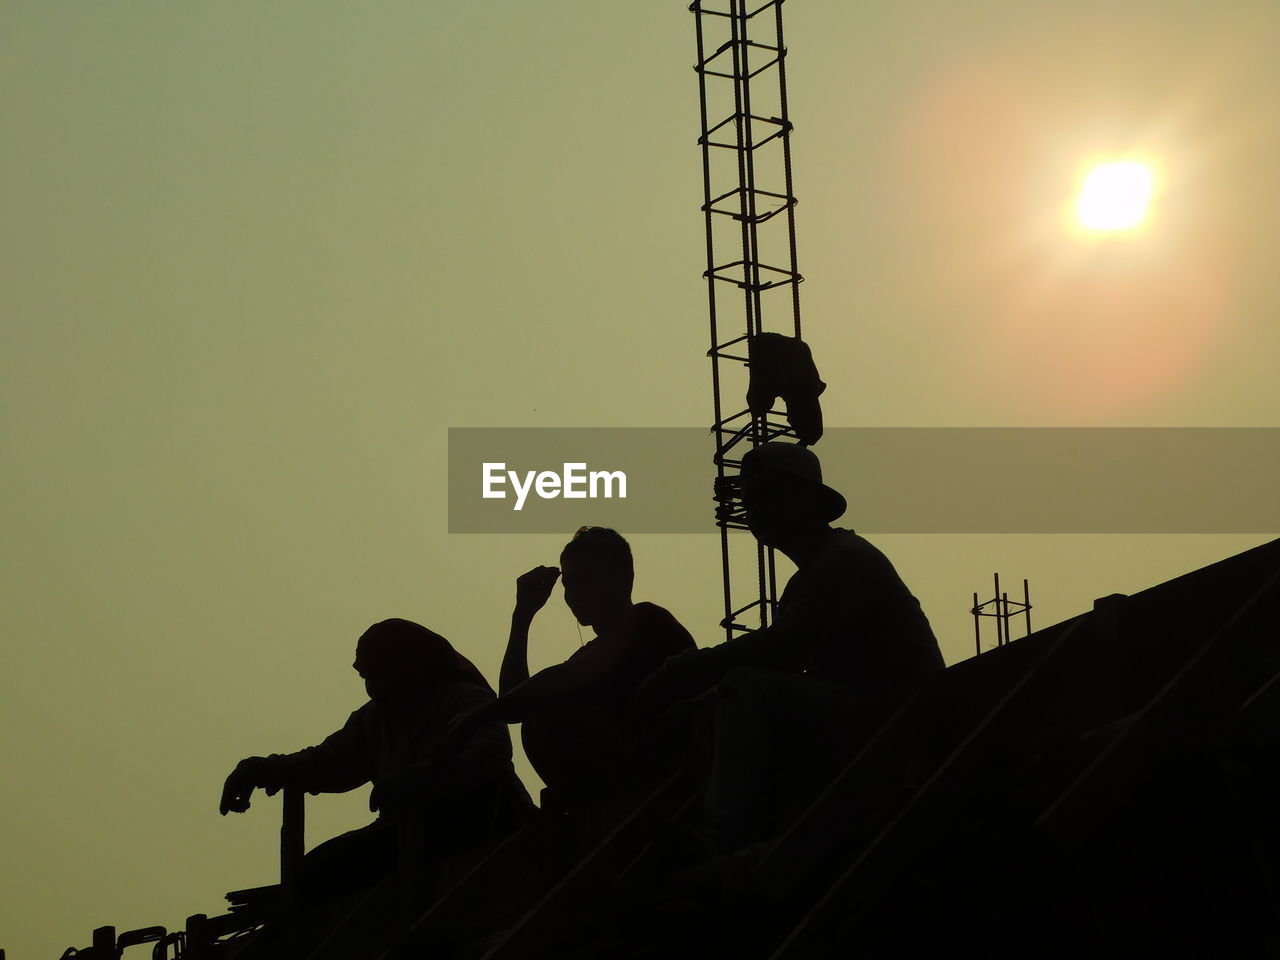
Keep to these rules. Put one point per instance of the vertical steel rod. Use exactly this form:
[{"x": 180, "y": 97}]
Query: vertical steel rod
[{"x": 292, "y": 829}]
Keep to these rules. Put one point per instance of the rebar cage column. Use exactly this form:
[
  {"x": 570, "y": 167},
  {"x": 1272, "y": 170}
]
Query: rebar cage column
[{"x": 749, "y": 214}]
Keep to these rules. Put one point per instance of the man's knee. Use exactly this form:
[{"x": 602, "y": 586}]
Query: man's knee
[{"x": 349, "y": 861}]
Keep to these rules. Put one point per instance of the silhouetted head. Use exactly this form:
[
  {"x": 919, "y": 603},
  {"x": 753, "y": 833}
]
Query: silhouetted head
[
  {"x": 783, "y": 493},
  {"x": 597, "y": 573},
  {"x": 400, "y": 659}
]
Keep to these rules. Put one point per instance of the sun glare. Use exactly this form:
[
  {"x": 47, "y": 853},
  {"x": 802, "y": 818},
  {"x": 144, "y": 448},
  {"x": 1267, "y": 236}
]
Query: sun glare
[{"x": 1115, "y": 196}]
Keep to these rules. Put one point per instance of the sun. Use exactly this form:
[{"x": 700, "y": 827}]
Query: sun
[{"x": 1115, "y": 196}]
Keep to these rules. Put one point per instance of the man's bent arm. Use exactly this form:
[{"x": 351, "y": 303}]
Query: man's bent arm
[
  {"x": 810, "y": 616},
  {"x": 338, "y": 764},
  {"x": 780, "y": 646},
  {"x": 515, "y": 662},
  {"x": 532, "y": 591},
  {"x": 579, "y": 674}
]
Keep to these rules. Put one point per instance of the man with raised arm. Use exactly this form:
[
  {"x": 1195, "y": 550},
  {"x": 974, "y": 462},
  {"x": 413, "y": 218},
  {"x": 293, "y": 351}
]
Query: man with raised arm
[{"x": 574, "y": 714}]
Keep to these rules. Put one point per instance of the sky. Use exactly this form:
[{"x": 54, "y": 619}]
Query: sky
[{"x": 258, "y": 258}]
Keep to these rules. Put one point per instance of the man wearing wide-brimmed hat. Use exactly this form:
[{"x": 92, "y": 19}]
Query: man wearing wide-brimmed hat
[
  {"x": 845, "y": 616},
  {"x": 846, "y": 633}
]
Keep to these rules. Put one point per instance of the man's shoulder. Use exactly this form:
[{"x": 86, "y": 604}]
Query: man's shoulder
[
  {"x": 844, "y": 548},
  {"x": 589, "y": 649},
  {"x": 646, "y": 612},
  {"x": 464, "y": 693},
  {"x": 844, "y": 540},
  {"x": 845, "y": 561},
  {"x": 361, "y": 721},
  {"x": 653, "y": 620}
]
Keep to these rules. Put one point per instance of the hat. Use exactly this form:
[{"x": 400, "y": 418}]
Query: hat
[{"x": 794, "y": 462}]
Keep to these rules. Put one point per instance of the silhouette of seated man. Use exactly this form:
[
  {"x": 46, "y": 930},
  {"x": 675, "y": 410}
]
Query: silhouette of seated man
[
  {"x": 417, "y": 683},
  {"x": 846, "y": 631},
  {"x": 574, "y": 714}
]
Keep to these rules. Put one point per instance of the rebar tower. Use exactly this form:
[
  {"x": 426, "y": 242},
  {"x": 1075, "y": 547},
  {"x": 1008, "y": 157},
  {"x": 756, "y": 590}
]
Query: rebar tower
[{"x": 749, "y": 210}]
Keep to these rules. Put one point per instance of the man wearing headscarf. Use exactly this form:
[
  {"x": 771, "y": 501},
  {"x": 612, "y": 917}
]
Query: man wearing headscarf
[{"x": 417, "y": 683}]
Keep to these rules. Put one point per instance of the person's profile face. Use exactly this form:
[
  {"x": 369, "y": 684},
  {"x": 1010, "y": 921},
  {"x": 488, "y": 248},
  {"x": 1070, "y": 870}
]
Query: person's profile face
[
  {"x": 590, "y": 589},
  {"x": 386, "y": 680},
  {"x": 766, "y": 500}
]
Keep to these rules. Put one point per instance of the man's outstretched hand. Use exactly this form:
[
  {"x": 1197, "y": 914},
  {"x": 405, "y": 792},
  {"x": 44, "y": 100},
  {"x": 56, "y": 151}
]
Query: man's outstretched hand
[{"x": 249, "y": 773}]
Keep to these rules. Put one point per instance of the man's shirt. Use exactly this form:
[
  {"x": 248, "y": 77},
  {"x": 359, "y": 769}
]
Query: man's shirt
[
  {"x": 846, "y": 618},
  {"x": 374, "y": 744},
  {"x": 859, "y": 625},
  {"x": 652, "y": 635}
]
